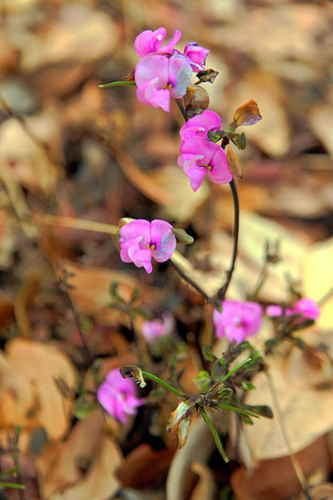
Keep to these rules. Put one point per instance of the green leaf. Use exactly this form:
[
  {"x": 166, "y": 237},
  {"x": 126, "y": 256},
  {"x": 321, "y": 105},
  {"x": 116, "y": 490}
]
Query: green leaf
[{"x": 208, "y": 421}]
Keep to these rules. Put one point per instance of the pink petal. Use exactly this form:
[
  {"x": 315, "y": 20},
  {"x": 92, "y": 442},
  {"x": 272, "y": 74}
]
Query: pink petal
[
  {"x": 149, "y": 41},
  {"x": 163, "y": 238},
  {"x": 220, "y": 172},
  {"x": 139, "y": 228},
  {"x": 150, "y": 68},
  {"x": 195, "y": 173},
  {"x": 207, "y": 120},
  {"x": 158, "y": 98},
  {"x": 308, "y": 308},
  {"x": 169, "y": 47},
  {"x": 274, "y": 311},
  {"x": 197, "y": 55},
  {"x": 180, "y": 74}
]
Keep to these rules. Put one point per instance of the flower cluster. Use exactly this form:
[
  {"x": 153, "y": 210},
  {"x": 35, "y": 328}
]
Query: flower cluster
[
  {"x": 141, "y": 240},
  {"x": 238, "y": 320},
  {"x": 117, "y": 395},
  {"x": 305, "y": 308},
  {"x": 163, "y": 71},
  {"x": 199, "y": 156}
]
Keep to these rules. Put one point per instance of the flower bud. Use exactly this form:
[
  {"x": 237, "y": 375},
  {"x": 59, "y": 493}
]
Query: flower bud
[
  {"x": 208, "y": 75},
  {"x": 196, "y": 100},
  {"x": 247, "y": 114},
  {"x": 234, "y": 162}
]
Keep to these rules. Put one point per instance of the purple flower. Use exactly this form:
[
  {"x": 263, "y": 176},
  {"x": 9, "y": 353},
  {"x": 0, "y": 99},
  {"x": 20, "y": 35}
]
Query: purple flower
[
  {"x": 159, "y": 77},
  {"x": 158, "y": 327},
  {"x": 117, "y": 395},
  {"x": 199, "y": 157},
  {"x": 306, "y": 308},
  {"x": 238, "y": 320},
  {"x": 197, "y": 55},
  {"x": 140, "y": 240},
  {"x": 150, "y": 42}
]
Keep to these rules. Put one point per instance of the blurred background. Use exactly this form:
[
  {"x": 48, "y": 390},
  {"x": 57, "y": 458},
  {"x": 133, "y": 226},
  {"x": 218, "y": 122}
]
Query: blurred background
[{"x": 71, "y": 149}]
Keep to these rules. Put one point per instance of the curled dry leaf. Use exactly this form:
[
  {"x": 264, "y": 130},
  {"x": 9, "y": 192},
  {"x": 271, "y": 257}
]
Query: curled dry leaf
[
  {"x": 206, "y": 487},
  {"x": 197, "y": 448},
  {"x": 31, "y": 377}
]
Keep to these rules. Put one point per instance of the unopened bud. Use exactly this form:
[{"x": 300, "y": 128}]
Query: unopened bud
[
  {"x": 247, "y": 114},
  {"x": 196, "y": 100},
  {"x": 208, "y": 75},
  {"x": 234, "y": 162}
]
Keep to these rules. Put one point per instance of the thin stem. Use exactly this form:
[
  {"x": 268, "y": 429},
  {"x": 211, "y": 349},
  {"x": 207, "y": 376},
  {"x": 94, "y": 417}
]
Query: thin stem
[
  {"x": 72, "y": 222},
  {"x": 181, "y": 108},
  {"x": 261, "y": 280},
  {"x": 295, "y": 463},
  {"x": 163, "y": 383},
  {"x": 235, "y": 369},
  {"x": 119, "y": 83},
  {"x": 182, "y": 272},
  {"x": 223, "y": 290},
  {"x": 215, "y": 434}
]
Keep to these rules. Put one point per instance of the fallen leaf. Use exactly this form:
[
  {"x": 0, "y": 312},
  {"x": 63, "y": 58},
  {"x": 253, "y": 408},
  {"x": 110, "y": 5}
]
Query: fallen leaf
[
  {"x": 82, "y": 467},
  {"x": 24, "y": 157},
  {"x": 29, "y": 393},
  {"x": 276, "y": 479},
  {"x": 144, "y": 467},
  {"x": 290, "y": 378}
]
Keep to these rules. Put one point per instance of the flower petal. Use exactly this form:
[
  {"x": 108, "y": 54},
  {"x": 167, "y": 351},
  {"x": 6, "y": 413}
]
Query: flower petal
[
  {"x": 163, "y": 238},
  {"x": 220, "y": 172}
]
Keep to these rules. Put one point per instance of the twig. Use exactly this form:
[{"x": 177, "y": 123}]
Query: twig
[
  {"x": 72, "y": 222},
  {"x": 223, "y": 290},
  {"x": 183, "y": 266}
]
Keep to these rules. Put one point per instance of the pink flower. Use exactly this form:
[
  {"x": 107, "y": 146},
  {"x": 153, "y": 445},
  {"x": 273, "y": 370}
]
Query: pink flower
[
  {"x": 238, "y": 320},
  {"x": 141, "y": 240},
  {"x": 117, "y": 395},
  {"x": 159, "y": 77},
  {"x": 199, "y": 156},
  {"x": 158, "y": 327},
  {"x": 197, "y": 55},
  {"x": 150, "y": 42},
  {"x": 306, "y": 308}
]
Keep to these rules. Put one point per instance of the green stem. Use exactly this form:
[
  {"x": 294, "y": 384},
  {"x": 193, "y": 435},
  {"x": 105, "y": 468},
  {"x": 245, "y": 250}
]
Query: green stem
[
  {"x": 235, "y": 369},
  {"x": 163, "y": 383},
  {"x": 215, "y": 434},
  {"x": 119, "y": 83},
  {"x": 247, "y": 413}
]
